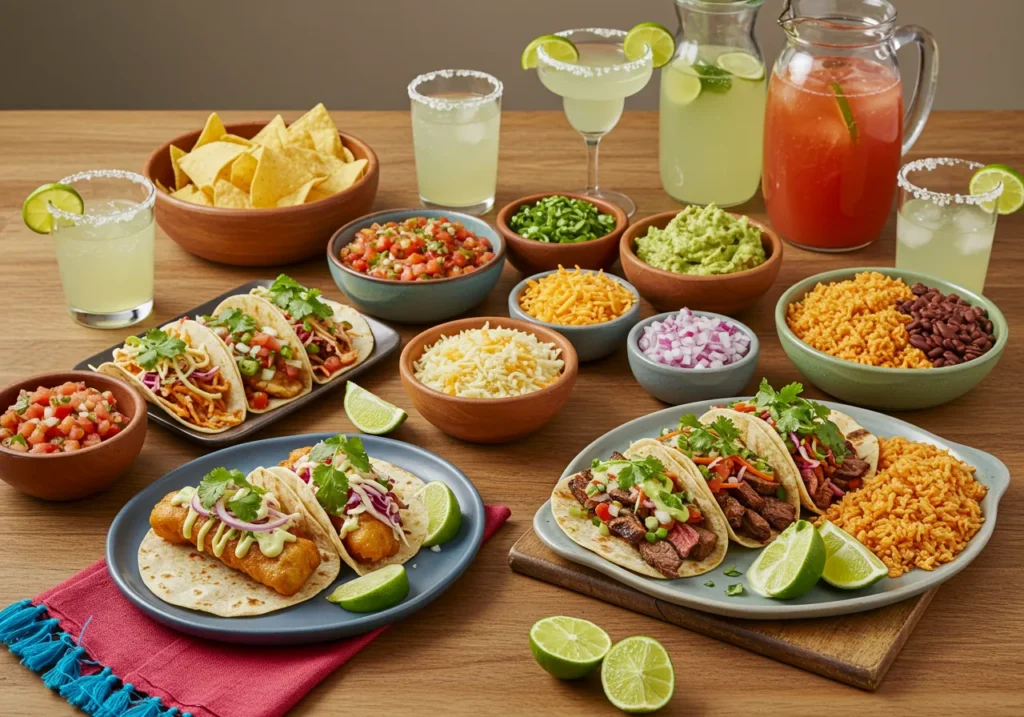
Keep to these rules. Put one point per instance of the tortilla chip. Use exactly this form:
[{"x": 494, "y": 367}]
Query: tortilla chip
[
  {"x": 321, "y": 128},
  {"x": 226, "y": 194},
  {"x": 212, "y": 132},
  {"x": 274, "y": 129},
  {"x": 189, "y": 193},
  {"x": 206, "y": 164},
  {"x": 244, "y": 167},
  {"x": 278, "y": 174},
  {"x": 346, "y": 153},
  {"x": 160, "y": 186},
  {"x": 236, "y": 139},
  {"x": 301, "y": 140},
  {"x": 180, "y": 178},
  {"x": 343, "y": 178},
  {"x": 299, "y": 195}
]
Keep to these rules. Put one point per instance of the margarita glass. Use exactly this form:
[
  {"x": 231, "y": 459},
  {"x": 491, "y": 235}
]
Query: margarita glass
[{"x": 593, "y": 92}]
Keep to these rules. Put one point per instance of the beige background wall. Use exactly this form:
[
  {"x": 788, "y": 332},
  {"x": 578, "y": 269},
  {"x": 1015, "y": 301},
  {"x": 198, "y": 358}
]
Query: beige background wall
[{"x": 361, "y": 54}]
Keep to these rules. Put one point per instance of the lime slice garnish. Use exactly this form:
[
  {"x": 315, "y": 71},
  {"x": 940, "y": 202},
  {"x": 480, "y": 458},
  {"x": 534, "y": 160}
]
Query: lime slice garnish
[
  {"x": 682, "y": 85},
  {"x": 35, "y": 214},
  {"x": 849, "y": 564},
  {"x": 742, "y": 65},
  {"x": 557, "y": 48},
  {"x": 374, "y": 591},
  {"x": 845, "y": 110},
  {"x": 568, "y": 647},
  {"x": 986, "y": 179},
  {"x": 654, "y": 36},
  {"x": 637, "y": 675},
  {"x": 791, "y": 565},
  {"x": 444, "y": 517},
  {"x": 371, "y": 414}
]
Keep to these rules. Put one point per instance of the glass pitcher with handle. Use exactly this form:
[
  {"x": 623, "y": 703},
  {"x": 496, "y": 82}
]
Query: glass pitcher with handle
[{"x": 834, "y": 128}]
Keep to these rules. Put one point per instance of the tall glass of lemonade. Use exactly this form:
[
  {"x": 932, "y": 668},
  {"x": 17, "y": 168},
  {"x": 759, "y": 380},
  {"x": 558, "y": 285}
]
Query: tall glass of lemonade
[{"x": 712, "y": 104}]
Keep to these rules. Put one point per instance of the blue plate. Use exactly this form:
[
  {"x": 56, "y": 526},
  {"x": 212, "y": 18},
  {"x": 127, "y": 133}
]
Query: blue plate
[
  {"x": 823, "y": 599},
  {"x": 315, "y": 620}
]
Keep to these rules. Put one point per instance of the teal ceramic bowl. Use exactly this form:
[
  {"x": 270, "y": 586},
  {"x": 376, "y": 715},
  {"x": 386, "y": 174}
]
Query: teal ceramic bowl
[
  {"x": 415, "y": 302},
  {"x": 895, "y": 389},
  {"x": 591, "y": 342}
]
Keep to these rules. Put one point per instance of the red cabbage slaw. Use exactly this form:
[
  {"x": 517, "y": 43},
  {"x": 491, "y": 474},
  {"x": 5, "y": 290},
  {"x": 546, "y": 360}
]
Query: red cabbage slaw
[{"x": 685, "y": 340}]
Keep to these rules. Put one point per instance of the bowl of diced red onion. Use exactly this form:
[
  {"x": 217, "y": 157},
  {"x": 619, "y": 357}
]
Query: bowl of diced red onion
[{"x": 682, "y": 356}]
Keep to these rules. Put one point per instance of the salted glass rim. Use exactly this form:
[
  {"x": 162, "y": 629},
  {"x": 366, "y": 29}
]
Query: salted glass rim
[
  {"x": 543, "y": 58},
  {"x": 929, "y": 164},
  {"x": 447, "y": 104},
  {"x": 123, "y": 215}
]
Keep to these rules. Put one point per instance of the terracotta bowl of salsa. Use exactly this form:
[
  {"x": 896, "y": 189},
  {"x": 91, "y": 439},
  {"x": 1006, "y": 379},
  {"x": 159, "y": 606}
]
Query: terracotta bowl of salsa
[
  {"x": 84, "y": 454},
  {"x": 416, "y": 266}
]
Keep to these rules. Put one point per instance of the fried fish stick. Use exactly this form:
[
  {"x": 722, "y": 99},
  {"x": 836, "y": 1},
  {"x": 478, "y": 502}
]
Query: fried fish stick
[{"x": 286, "y": 573}]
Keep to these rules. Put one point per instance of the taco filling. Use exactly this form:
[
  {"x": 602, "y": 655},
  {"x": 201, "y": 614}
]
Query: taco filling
[
  {"x": 744, "y": 484},
  {"x": 269, "y": 364}
]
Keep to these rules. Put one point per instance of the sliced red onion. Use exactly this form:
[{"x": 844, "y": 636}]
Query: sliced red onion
[
  {"x": 739, "y": 476},
  {"x": 203, "y": 375},
  {"x": 613, "y": 510},
  {"x": 684, "y": 340},
  {"x": 649, "y": 504},
  {"x": 600, "y": 498},
  {"x": 732, "y": 479},
  {"x": 197, "y": 506},
  {"x": 233, "y": 522},
  {"x": 714, "y": 463},
  {"x": 836, "y": 489},
  {"x": 793, "y": 437}
]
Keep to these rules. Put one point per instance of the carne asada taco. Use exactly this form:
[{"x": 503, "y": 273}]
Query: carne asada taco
[
  {"x": 366, "y": 504},
  {"x": 742, "y": 471},
  {"x": 185, "y": 369},
  {"x": 829, "y": 453},
  {"x": 236, "y": 545},
  {"x": 336, "y": 337},
  {"x": 636, "y": 511},
  {"x": 270, "y": 358}
]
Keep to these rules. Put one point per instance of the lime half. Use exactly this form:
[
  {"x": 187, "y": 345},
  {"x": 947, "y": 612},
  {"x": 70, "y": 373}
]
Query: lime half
[
  {"x": 637, "y": 675},
  {"x": 557, "y": 48},
  {"x": 791, "y": 565},
  {"x": 849, "y": 564},
  {"x": 654, "y": 36},
  {"x": 371, "y": 414},
  {"x": 742, "y": 65},
  {"x": 373, "y": 592},
  {"x": 568, "y": 647},
  {"x": 986, "y": 179},
  {"x": 37, "y": 217},
  {"x": 444, "y": 515},
  {"x": 682, "y": 85}
]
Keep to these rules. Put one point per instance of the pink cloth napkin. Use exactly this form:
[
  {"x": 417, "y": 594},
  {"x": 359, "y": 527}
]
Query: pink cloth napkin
[{"x": 195, "y": 675}]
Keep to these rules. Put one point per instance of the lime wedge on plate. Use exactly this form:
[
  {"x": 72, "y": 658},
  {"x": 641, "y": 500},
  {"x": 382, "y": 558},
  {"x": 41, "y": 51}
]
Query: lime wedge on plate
[
  {"x": 374, "y": 591},
  {"x": 37, "y": 217},
  {"x": 742, "y": 65},
  {"x": 849, "y": 564},
  {"x": 682, "y": 85},
  {"x": 652, "y": 35},
  {"x": 567, "y": 647},
  {"x": 987, "y": 178},
  {"x": 791, "y": 565},
  {"x": 444, "y": 515},
  {"x": 637, "y": 675},
  {"x": 371, "y": 414},
  {"x": 557, "y": 48}
]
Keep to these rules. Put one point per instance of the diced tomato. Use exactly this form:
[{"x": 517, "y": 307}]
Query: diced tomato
[
  {"x": 37, "y": 436},
  {"x": 114, "y": 430},
  {"x": 855, "y": 483},
  {"x": 44, "y": 448},
  {"x": 67, "y": 424},
  {"x": 484, "y": 258},
  {"x": 407, "y": 274},
  {"x": 455, "y": 271},
  {"x": 54, "y": 432},
  {"x": 416, "y": 258},
  {"x": 9, "y": 420},
  {"x": 695, "y": 516},
  {"x": 35, "y": 411},
  {"x": 722, "y": 469},
  {"x": 433, "y": 267},
  {"x": 89, "y": 404},
  {"x": 418, "y": 269},
  {"x": 91, "y": 440},
  {"x": 75, "y": 404},
  {"x": 86, "y": 425},
  {"x": 443, "y": 236},
  {"x": 69, "y": 387},
  {"x": 461, "y": 234},
  {"x": 469, "y": 242},
  {"x": 70, "y": 445},
  {"x": 360, "y": 265},
  {"x": 103, "y": 428},
  {"x": 108, "y": 397},
  {"x": 603, "y": 512},
  {"x": 62, "y": 411},
  {"x": 25, "y": 429},
  {"x": 715, "y": 485},
  {"x": 468, "y": 269},
  {"x": 263, "y": 352},
  {"x": 101, "y": 412},
  {"x": 259, "y": 400},
  {"x": 41, "y": 396},
  {"x": 384, "y": 243},
  {"x": 76, "y": 433},
  {"x": 260, "y": 339},
  {"x": 291, "y": 371},
  {"x": 332, "y": 364}
]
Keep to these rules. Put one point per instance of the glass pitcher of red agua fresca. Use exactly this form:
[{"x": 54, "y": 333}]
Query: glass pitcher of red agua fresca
[{"x": 834, "y": 124}]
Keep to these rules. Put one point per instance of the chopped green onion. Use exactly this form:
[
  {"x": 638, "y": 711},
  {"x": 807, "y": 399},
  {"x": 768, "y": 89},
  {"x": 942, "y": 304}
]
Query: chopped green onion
[
  {"x": 651, "y": 537},
  {"x": 133, "y": 341},
  {"x": 603, "y": 530},
  {"x": 561, "y": 220},
  {"x": 709, "y": 584},
  {"x": 780, "y": 493},
  {"x": 651, "y": 522},
  {"x": 596, "y": 521},
  {"x": 286, "y": 351},
  {"x": 312, "y": 349},
  {"x": 736, "y": 589},
  {"x": 249, "y": 366},
  {"x": 246, "y": 338},
  {"x": 661, "y": 533}
]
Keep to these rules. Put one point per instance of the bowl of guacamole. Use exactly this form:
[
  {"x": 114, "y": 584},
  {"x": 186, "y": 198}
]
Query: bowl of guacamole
[{"x": 703, "y": 241}]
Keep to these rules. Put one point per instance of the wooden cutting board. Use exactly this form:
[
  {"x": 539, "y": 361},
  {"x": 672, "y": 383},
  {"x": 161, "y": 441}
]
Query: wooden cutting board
[{"x": 856, "y": 649}]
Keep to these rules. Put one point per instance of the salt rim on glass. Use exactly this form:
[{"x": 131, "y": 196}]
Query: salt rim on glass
[
  {"x": 943, "y": 199},
  {"x": 446, "y": 104},
  {"x": 98, "y": 220},
  {"x": 544, "y": 58}
]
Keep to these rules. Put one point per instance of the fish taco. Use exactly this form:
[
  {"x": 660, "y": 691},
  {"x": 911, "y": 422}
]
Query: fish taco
[{"x": 641, "y": 512}]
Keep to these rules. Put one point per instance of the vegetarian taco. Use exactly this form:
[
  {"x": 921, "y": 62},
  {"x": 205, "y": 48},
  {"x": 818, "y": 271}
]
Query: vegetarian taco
[
  {"x": 336, "y": 337},
  {"x": 236, "y": 545},
  {"x": 742, "y": 471},
  {"x": 271, "y": 361},
  {"x": 829, "y": 453},
  {"x": 640, "y": 511},
  {"x": 186, "y": 370},
  {"x": 366, "y": 504}
]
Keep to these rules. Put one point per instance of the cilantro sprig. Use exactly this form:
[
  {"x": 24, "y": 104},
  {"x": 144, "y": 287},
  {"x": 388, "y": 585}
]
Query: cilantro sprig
[
  {"x": 215, "y": 484},
  {"x": 157, "y": 344},
  {"x": 793, "y": 414},
  {"x": 721, "y": 436},
  {"x": 332, "y": 483},
  {"x": 235, "y": 321},
  {"x": 332, "y": 488},
  {"x": 351, "y": 446},
  {"x": 299, "y": 301},
  {"x": 632, "y": 472}
]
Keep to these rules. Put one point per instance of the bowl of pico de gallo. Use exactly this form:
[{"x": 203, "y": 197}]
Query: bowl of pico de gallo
[{"x": 416, "y": 266}]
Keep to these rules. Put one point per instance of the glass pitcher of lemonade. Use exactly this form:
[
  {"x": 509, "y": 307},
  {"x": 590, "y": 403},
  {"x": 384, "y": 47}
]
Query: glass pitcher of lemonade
[
  {"x": 712, "y": 104},
  {"x": 835, "y": 128}
]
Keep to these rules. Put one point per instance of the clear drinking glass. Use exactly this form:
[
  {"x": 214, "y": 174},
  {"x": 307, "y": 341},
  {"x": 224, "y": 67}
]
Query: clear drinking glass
[
  {"x": 593, "y": 91},
  {"x": 941, "y": 228},
  {"x": 105, "y": 255},
  {"x": 456, "y": 117}
]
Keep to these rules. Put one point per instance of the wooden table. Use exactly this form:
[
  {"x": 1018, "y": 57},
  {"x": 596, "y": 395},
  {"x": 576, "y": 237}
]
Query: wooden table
[{"x": 468, "y": 653}]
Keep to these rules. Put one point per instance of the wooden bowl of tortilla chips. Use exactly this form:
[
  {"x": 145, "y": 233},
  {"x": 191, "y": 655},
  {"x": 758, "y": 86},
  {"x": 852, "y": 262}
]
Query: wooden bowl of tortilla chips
[{"x": 262, "y": 194}]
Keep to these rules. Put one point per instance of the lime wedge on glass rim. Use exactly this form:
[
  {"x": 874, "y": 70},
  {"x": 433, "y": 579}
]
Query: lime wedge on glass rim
[
  {"x": 791, "y": 565},
  {"x": 637, "y": 675},
  {"x": 742, "y": 65},
  {"x": 374, "y": 591},
  {"x": 849, "y": 565},
  {"x": 371, "y": 414},
  {"x": 567, "y": 647},
  {"x": 652, "y": 35},
  {"x": 557, "y": 48},
  {"x": 444, "y": 516},
  {"x": 35, "y": 213},
  {"x": 986, "y": 179}
]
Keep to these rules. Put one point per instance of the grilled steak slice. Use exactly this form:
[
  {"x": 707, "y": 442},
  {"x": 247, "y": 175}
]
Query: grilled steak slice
[
  {"x": 706, "y": 543},
  {"x": 628, "y": 527},
  {"x": 662, "y": 557},
  {"x": 756, "y": 527},
  {"x": 840, "y": 481},
  {"x": 616, "y": 456},
  {"x": 762, "y": 486},
  {"x": 622, "y": 496},
  {"x": 732, "y": 509},
  {"x": 778, "y": 514},
  {"x": 578, "y": 486},
  {"x": 748, "y": 496},
  {"x": 683, "y": 538},
  {"x": 823, "y": 496},
  {"x": 852, "y": 468},
  {"x": 811, "y": 482}
]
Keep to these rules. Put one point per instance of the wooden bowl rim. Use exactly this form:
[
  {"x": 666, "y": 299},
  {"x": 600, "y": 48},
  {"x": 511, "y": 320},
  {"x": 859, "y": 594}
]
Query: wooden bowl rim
[
  {"x": 372, "y": 167},
  {"x": 627, "y": 250},
  {"x": 52, "y": 378},
  {"x": 606, "y": 207},
  {"x": 452, "y": 328},
  {"x": 513, "y": 298}
]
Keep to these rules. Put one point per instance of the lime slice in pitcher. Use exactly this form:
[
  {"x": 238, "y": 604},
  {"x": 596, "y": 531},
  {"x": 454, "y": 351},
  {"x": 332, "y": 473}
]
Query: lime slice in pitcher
[
  {"x": 742, "y": 65},
  {"x": 845, "y": 110},
  {"x": 35, "y": 213},
  {"x": 987, "y": 178},
  {"x": 654, "y": 36}
]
